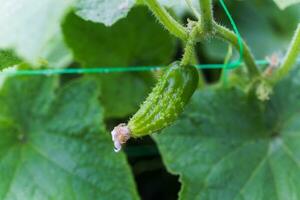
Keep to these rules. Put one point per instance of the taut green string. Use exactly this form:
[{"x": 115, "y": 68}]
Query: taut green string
[
  {"x": 103, "y": 70},
  {"x": 236, "y": 31}
]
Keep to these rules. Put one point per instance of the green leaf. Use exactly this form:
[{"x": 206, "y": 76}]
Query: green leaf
[
  {"x": 122, "y": 93},
  {"x": 28, "y": 25},
  {"x": 282, "y": 4},
  {"x": 54, "y": 145},
  {"x": 229, "y": 145},
  {"x": 135, "y": 40},
  {"x": 125, "y": 43},
  {"x": 104, "y": 11},
  {"x": 8, "y": 58}
]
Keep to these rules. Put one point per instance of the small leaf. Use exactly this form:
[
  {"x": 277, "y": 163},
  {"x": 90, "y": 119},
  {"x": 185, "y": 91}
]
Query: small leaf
[
  {"x": 104, "y": 11},
  {"x": 229, "y": 145},
  {"x": 54, "y": 145}
]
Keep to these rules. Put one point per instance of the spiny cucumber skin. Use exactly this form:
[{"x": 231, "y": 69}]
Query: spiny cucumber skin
[{"x": 166, "y": 101}]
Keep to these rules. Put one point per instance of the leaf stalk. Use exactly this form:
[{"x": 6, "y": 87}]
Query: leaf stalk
[
  {"x": 167, "y": 20},
  {"x": 229, "y": 36},
  {"x": 206, "y": 19},
  {"x": 291, "y": 56}
]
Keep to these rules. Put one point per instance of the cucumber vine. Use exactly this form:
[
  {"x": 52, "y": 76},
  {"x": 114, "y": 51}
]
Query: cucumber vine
[
  {"x": 291, "y": 56},
  {"x": 206, "y": 19},
  {"x": 167, "y": 20},
  {"x": 180, "y": 80}
]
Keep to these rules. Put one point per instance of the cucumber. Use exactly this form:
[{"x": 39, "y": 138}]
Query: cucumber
[{"x": 163, "y": 105}]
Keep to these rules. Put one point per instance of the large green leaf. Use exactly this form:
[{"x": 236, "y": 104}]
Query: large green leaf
[
  {"x": 54, "y": 145},
  {"x": 28, "y": 25},
  {"x": 104, "y": 11},
  {"x": 122, "y": 93},
  {"x": 229, "y": 145},
  {"x": 135, "y": 40},
  {"x": 282, "y": 4}
]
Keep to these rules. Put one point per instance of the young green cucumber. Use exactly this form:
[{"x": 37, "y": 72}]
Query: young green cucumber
[{"x": 162, "y": 106}]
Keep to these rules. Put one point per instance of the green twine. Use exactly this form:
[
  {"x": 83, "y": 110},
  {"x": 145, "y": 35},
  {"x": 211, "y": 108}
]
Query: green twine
[
  {"x": 104, "y": 70},
  {"x": 236, "y": 31},
  {"x": 97, "y": 70}
]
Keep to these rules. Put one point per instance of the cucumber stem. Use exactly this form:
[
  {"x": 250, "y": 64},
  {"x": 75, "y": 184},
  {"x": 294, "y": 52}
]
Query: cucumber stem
[
  {"x": 189, "y": 47},
  {"x": 226, "y": 61},
  {"x": 194, "y": 61},
  {"x": 167, "y": 20},
  {"x": 206, "y": 19}
]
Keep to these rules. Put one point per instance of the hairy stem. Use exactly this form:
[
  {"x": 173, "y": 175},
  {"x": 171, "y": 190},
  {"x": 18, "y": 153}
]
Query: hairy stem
[
  {"x": 291, "y": 56},
  {"x": 206, "y": 19},
  {"x": 189, "y": 47},
  {"x": 226, "y": 61},
  {"x": 230, "y": 37},
  {"x": 167, "y": 20},
  {"x": 194, "y": 61}
]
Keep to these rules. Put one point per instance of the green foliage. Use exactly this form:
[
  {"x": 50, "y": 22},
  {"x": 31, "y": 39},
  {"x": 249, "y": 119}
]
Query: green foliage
[
  {"x": 32, "y": 28},
  {"x": 126, "y": 43},
  {"x": 235, "y": 146},
  {"x": 104, "y": 11},
  {"x": 28, "y": 25},
  {"x": 54, "y": 144},
  {"x": 122, "y": 101},
  {"x": 267, "y": 25},
  {"x": 136, "y": 40},
  {"x": 236, "y": 140}
]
